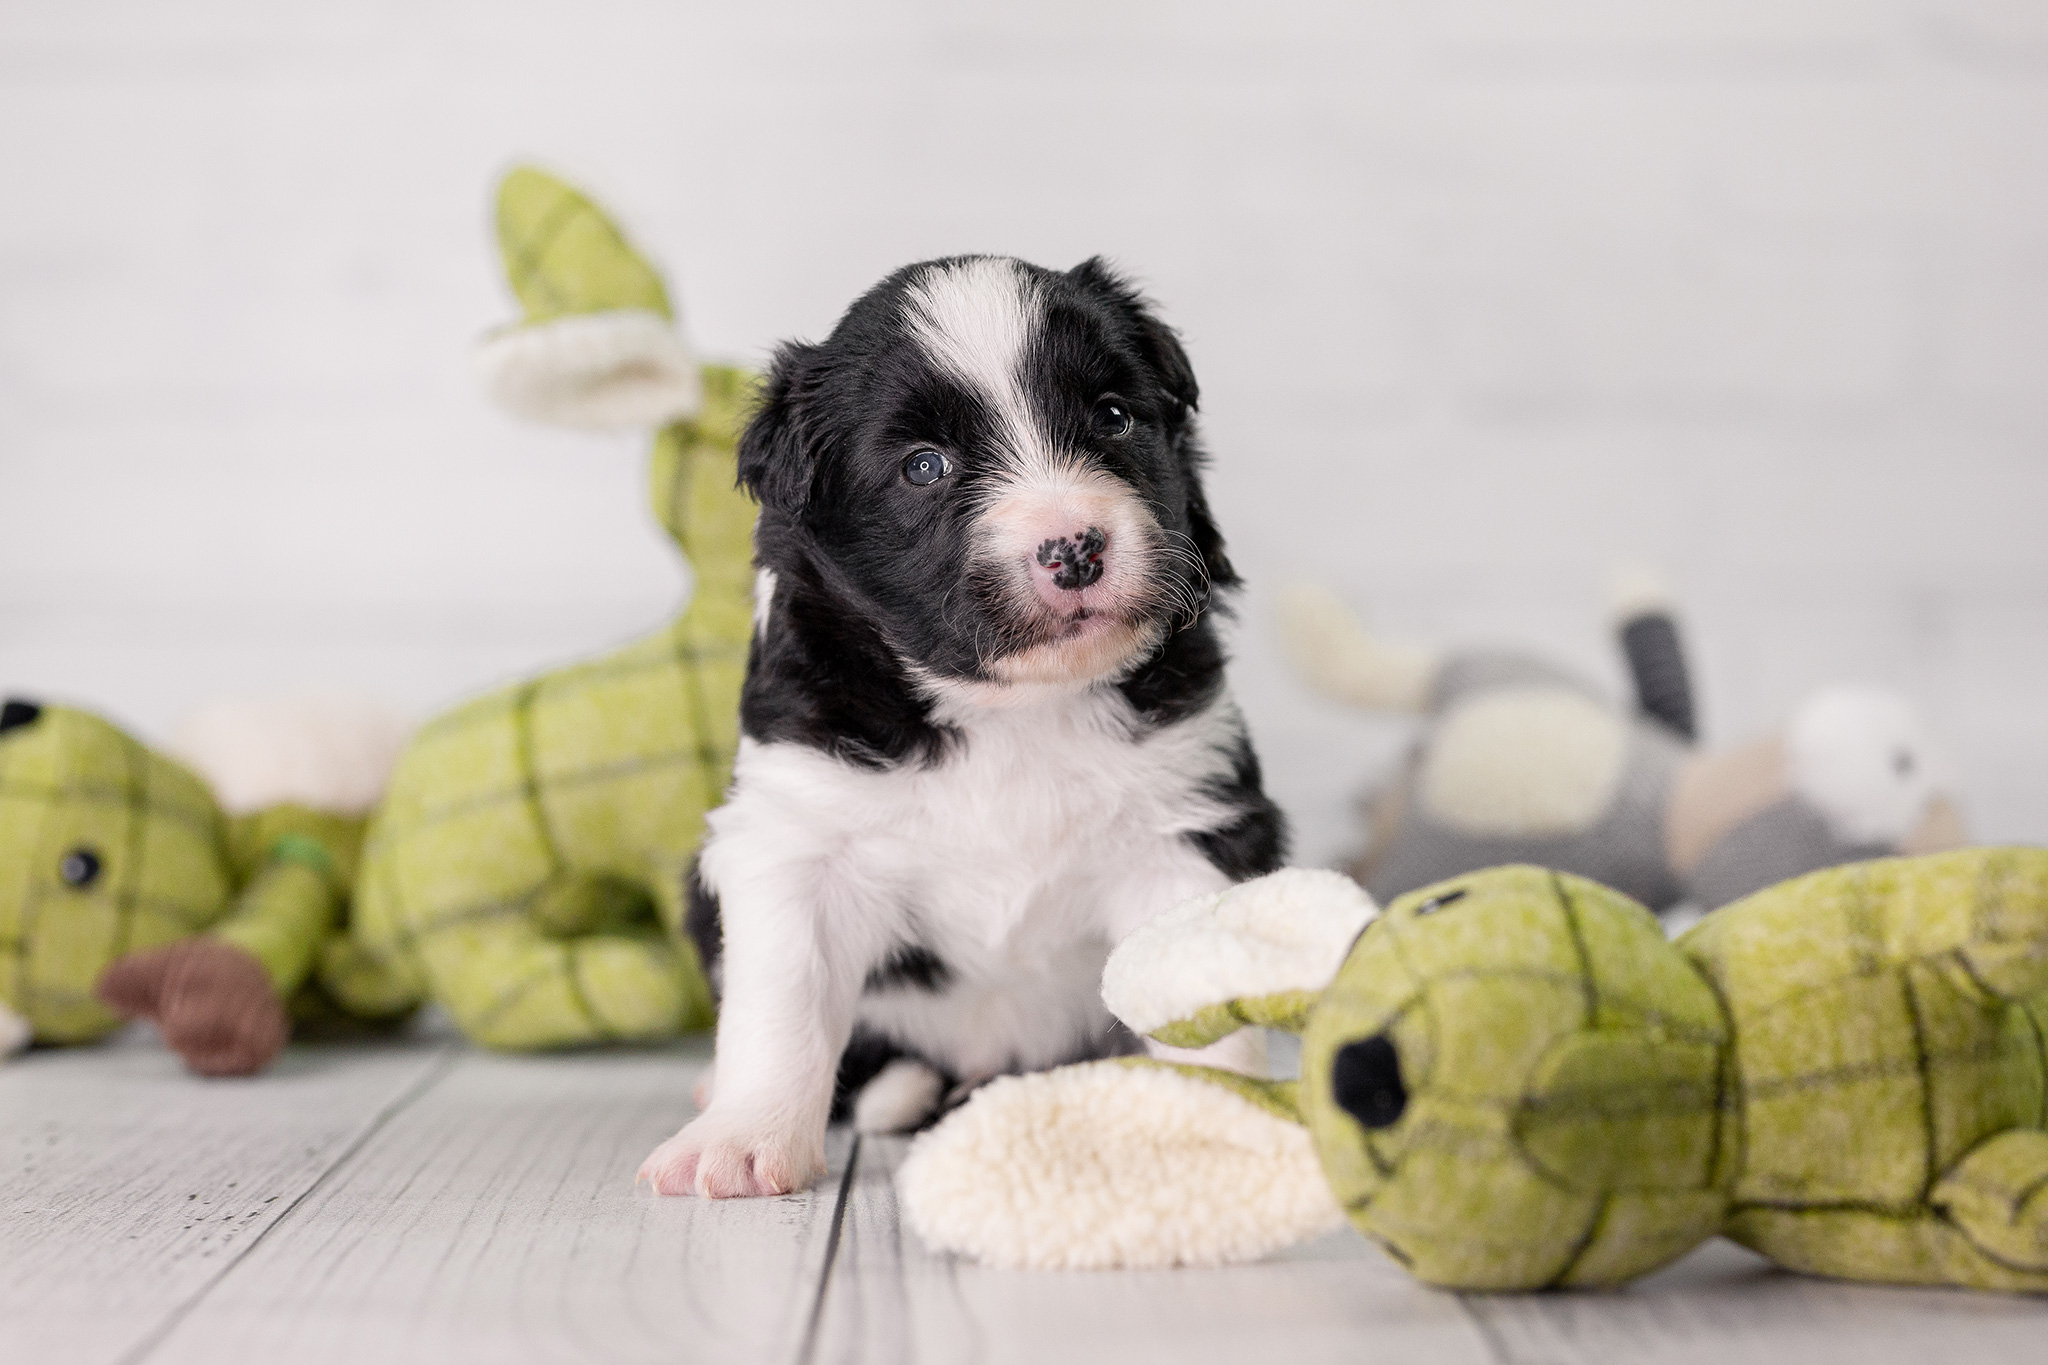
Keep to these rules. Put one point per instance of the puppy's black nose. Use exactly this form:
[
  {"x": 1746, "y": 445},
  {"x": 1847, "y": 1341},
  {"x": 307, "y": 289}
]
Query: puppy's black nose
[
  {"x": 1366, "y": 1079},
  {"x": 16, "y": 713},
  {"x": 1075, "y": 561}
]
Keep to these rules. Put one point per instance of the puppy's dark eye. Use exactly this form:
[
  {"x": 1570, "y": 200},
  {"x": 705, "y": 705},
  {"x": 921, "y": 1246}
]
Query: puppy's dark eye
[
  {"x": 79, "y": 868},
  {"x": 1112, "y": 416},
  {"x": 925, "y": 467}
]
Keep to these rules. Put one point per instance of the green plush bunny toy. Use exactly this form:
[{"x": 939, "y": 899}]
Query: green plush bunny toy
[
  {"x": 526, "y": 870},
  {"x": 1513, "y": 1081},
  {"x": 198, "y": 897}
]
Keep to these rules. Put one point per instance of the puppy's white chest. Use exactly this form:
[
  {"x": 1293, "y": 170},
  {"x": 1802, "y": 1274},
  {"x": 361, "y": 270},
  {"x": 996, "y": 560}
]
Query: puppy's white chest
[{"x": 1009, "y": 847}]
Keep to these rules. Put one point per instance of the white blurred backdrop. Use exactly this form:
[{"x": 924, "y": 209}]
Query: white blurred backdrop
[{"x": 1485, "y": 299}]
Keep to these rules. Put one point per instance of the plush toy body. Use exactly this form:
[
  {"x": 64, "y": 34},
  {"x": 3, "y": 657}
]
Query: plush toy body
[
  {"x": 1515, "y": 1082},
  {"x": 1521, "y": 761},
  {"x": 527, "y": 868},
  {"x": 128, "y": 889}
]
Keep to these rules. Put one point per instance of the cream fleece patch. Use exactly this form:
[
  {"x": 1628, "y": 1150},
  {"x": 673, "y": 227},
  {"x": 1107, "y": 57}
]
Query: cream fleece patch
[
  {"x": 1286, "y": 931},
  {"x": 1108, "y": 1165},
  {"x": 1524, "y": 761},
  {"x": 626, "y": 370},
  {"x": 15, "y": 1033},
  {"x": 329, "y": 752}
]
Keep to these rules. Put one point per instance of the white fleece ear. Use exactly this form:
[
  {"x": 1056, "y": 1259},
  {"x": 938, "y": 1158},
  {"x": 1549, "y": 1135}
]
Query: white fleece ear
[
  {"x": 1286, "y": 931},
  {"x": 15, "y": 1033},
  {"x": 618, "y": 371},
  {"x": 1865, "y": 759},
  {"x": 327, "y": 751},
  {"x": 1108, "y": 1165}
]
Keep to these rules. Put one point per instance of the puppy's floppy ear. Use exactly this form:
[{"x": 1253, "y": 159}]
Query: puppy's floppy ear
[
  {"x": 1168, "y": 361},
  {"x": 1156, "y": 341},
  {"x": 778, "y": 457}
]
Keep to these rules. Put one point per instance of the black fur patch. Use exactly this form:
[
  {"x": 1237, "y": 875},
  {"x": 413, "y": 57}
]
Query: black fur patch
[
  {"x": 865, "y": 1056},
  {"x": 911, "y": 967},
  {"x": 1256, "y": 842},
  {"x": 705, "y": 928}
]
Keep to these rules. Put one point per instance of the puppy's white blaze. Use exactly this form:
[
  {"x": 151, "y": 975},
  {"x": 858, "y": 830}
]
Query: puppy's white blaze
[{"x": 975, "y": 319}]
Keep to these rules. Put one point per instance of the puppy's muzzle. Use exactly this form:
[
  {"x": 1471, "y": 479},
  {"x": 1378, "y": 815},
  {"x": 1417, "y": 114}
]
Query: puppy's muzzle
[{"x": 1074, "y": 562}]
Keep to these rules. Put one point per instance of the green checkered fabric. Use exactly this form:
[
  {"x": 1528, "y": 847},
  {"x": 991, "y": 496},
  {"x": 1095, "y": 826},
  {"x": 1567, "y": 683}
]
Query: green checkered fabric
[
  {"x": 1845, "y": 1072},
  {"x": 526, "y": 869},
  {"x": 107, "y": 848}
]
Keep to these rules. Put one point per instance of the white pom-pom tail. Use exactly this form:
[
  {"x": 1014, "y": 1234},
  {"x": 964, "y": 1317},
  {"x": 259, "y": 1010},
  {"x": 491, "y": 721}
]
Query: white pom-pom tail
[{"x": 617, "y": 371}]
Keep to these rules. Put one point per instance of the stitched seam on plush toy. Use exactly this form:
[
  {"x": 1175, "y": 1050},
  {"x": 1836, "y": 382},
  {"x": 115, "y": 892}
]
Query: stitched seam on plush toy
[
  {"x": 1585, "y": 1243},
  {"x": 1587, "y": 985},
  {"x": 1893, "y": 1068},
  {"x": 530, "y": 786},
  {"x": 2041, "y": 1059},
  {"x": 558, "y": 782},
  {"x": 131, "y": 872},
  {"x": 2026, "y": 1192},
  {"x": 1726, "y": 1084},
  {"x": 92, "y": 793},
  {"x": 1920, "y": 1058},
  {"x": 530, "y": 250},
  {"x": 582, "y": 677},
  {"x": 572, "y": 977}
]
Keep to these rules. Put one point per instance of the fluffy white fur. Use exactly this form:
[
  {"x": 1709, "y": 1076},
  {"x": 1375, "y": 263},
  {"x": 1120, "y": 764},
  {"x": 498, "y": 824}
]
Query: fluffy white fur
[
  {"x": 975, "y": 318},
  {"x": 1286, "y": 931},
  {"x": 1524, "y": 761},
  {"x": 327, "y": 751},
  {"x": 620, "y": 371},
  {"x": 1335, "y": 655},
  {"x": 15, "y": 1033},
  {"x": 1108, "y": 1165},
  {"x": 899, "y": 1099},
  {"x": 1048, "y": 835},
  {"x": 1866, "y": 760}
]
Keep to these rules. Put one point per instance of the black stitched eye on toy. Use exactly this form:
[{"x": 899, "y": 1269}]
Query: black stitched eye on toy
[
  {"x": 1436, "y": 903},
  {"x": 16, "y": 713},
  {"x": 1112, "y": 416},
  {"x": 1366, "y": 1080},
  {"x": 925, "y": 467},
  {"x": 79, "y": 868}
]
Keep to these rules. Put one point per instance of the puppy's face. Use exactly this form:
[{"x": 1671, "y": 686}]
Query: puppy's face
[{"x": 996, "y": 462}]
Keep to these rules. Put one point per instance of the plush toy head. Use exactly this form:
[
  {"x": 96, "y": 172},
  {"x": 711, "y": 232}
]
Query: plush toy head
[
  {"x": 105, "y": 849},
  {"x": 1513, "y": 1080}
]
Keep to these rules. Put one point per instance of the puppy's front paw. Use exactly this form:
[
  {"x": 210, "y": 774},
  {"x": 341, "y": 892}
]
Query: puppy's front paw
[{"x": 723, "y": 1157}]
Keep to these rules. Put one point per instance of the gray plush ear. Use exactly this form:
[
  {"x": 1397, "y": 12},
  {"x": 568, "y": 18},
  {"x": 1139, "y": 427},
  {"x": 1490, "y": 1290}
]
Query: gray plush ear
[
  {"x": 1115, "y": 1164},
  {"x": 1259, "y": 953}
]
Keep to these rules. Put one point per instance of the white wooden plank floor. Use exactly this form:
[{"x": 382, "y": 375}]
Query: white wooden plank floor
[{"x": 421, "y": 1201}]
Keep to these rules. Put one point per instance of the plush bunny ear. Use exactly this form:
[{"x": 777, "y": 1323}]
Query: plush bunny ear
[
  {"x": 1117, "y": 1164},
  {"x": 598, "y": 347},
  {"x": 1258, "y": 953}
]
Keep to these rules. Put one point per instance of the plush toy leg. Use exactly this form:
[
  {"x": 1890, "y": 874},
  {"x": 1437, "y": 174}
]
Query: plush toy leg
[
  {"x": 1117, "y": 1164},
  {"x": 1998, "y": 1195},
  {"x": 1258, "y": 953},
  {"x": 15, "y": 1033},
  {"x": 213, "y": 1001},
  {"x": 509, "y": 985}
]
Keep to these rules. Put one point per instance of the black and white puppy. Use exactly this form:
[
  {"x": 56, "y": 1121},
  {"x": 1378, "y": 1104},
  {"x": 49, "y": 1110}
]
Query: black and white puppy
[{"x": 984, "y": 732}]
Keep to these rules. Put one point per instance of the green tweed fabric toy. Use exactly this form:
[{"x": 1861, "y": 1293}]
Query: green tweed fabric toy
[
  {"x": 126, "y": 889},
  {"x": 526, "y": 870},
  {"x": 1515, "y": 1082}
]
